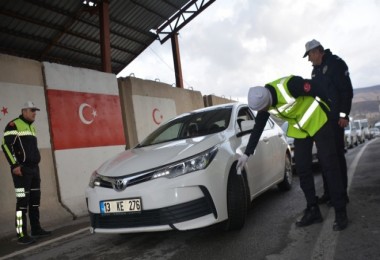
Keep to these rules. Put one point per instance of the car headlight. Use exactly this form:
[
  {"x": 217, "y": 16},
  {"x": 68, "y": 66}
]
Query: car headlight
[
  {"x": 192, "y": 164},
  {"x": 94, "y": 180}
]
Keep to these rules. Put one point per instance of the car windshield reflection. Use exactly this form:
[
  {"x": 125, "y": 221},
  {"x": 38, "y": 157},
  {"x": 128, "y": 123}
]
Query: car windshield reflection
[{"x": 189, "y": 126}]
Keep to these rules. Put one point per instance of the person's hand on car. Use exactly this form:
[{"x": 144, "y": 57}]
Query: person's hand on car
[{"x": 241, "y": 162}]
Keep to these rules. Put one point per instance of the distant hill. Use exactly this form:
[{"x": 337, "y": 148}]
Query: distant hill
[
  {"x": 367, "y": 94},
  {"x": 366, "y": 104}
]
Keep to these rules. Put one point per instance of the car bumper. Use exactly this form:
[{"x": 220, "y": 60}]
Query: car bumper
[
  {"x": 192, "y": 214},
  {"x": 194, "y": 200}
]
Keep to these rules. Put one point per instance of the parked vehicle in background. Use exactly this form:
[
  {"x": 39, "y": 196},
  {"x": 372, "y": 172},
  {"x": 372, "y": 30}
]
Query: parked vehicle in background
[
  {"x": 365, "y": 128},
  {"x": 183, "y": 175},
  {"x": 350, "y": 135},
  {"x": 375, "y": 132},
  {"x": 359, "y": 131},
  {"x": 377, "y": 125},
  {"x": 290, "y": 141}
]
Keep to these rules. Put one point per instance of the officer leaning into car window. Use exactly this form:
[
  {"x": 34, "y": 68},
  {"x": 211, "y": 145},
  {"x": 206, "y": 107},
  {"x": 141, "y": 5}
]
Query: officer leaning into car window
[
  {"x": 298, "y": 101},
  {"x": 20, "y": 148},
  {"x": 331, "y": 73}
]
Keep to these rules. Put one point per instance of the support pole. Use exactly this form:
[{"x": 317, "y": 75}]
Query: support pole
[
  {"x": 105, "y": 35},
  {"x": 177, "y": 61}
]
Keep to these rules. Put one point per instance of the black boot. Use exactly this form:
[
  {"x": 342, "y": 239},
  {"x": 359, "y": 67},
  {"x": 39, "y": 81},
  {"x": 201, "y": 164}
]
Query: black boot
[
  {"x": 341, "y": 221},
  {"x": 311, "y": 215},
  {"x": 25, "y": 240}
]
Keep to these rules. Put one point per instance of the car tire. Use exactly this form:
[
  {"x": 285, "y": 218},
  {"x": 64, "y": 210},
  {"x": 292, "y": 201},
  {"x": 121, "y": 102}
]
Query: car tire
[
  {"x": 247, "y": 191},
  {"x": 236, "y": 202},
  {"x": 286, "y": 184}
]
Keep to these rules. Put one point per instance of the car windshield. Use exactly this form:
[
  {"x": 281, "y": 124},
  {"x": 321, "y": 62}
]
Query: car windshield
[{"x": 190, "y": 125}]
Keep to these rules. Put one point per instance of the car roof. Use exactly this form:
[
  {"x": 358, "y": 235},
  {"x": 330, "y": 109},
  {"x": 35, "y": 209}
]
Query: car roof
[{"x": 234, "y": 105}]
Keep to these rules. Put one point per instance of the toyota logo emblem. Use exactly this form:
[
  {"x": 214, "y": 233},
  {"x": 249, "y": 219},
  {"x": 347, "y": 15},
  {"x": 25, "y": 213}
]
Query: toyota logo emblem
[{"x": 120, "y": 185}]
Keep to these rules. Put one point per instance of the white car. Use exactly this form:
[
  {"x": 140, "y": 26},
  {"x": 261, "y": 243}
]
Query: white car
[
  {"x": 359, "y": 131},
  {"x": 375, "y": 132},
  {"x": 350, "y": 135},
  {"x": 183, "y": 175}
]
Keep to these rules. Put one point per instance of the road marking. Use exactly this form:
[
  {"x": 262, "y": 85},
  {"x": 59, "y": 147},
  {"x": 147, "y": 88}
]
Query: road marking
[
  {"x": 326, "y": 240},
  {"x": 44, "y": 243},
  {"x": 325, "y": 246}
]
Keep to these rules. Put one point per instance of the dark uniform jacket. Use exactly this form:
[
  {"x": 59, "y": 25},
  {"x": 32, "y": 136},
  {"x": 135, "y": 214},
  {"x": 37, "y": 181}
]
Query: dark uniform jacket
[
  {"x": 333, "y": 76},
  {"x": 20, "y": 145}
]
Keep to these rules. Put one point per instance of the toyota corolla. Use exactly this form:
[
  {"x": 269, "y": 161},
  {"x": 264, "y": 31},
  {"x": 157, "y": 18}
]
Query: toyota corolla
[{"x": 183, "y": 175}]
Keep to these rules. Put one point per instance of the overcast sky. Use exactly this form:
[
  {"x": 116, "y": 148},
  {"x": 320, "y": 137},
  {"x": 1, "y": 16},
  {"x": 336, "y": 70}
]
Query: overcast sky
[{"x": 234, "y": 45}]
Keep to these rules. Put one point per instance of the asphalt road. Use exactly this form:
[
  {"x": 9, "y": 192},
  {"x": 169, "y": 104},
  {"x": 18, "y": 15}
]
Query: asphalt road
[{"x": 269, "y": 232}]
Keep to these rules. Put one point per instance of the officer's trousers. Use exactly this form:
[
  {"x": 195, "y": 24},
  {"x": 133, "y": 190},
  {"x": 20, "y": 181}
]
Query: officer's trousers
[
  {"x": 28, "y": 195},
  {"x": 339, "y": 142},
  {"x": 328, "y": 159}
]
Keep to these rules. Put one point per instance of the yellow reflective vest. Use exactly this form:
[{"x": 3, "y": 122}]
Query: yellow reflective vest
[
  {"x": 20, "y": 143},
  {"x": 304, "y": 114}
]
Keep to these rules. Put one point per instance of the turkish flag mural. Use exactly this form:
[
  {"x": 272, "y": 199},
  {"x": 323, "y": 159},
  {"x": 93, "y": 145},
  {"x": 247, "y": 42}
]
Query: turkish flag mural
[
  {"x": 151, "y": 112},
  {"x": 80, "y": 119}
]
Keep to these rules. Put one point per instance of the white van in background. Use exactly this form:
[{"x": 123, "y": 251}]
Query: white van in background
[
  {"x": 365, "y": 128},
  {"x": 350, "y": 135},
  {"x": 359, "y": 131}
]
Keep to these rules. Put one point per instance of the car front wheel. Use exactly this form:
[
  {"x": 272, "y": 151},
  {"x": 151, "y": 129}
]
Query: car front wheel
[{"x": 236, "y": 202}]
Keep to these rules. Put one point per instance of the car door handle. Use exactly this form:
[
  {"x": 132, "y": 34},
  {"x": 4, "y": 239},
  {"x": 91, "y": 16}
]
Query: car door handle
[
  {"x": 265, "y": 139},
  {"x": 279, "y": 135}
]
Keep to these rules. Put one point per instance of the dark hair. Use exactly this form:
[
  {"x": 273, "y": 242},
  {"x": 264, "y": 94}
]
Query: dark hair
[{"x": 320, "y": 48}]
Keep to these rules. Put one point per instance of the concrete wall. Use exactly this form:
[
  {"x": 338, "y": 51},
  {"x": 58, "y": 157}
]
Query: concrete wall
[
  {"x": 86, "y": 127},
  {"x": 147, "y": 104},
  {"x": 211, "y": 100}
]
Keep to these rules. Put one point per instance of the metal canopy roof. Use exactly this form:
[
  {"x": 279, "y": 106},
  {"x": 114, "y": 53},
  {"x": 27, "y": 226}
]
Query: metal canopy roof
[{"x": 68, "y": 31}]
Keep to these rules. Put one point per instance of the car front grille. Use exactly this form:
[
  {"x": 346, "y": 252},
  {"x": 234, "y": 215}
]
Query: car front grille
[
  {"x": 109, "y": 182},
  {"x": 155, "y": 217}
]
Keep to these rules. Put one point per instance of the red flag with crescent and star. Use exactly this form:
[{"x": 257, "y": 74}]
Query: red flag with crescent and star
[{"x": 80, "y": 119}]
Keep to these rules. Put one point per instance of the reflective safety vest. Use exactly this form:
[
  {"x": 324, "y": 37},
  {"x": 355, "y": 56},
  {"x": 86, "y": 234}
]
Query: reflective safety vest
[
  {"x": 21, "y": 146},
  {"x": 304, "y": 114}
]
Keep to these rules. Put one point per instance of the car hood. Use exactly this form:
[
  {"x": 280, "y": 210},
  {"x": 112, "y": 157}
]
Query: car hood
[{"x": 149, "y": 157}]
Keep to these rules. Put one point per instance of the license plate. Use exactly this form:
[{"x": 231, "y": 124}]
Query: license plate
[{"x": 120, "y": 206}]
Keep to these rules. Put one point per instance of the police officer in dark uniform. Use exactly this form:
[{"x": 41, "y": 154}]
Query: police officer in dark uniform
[
  {"x": 301, "y": 104},
  {"x": 331, "y": 73},
  {"x": 20, "y": 148}
]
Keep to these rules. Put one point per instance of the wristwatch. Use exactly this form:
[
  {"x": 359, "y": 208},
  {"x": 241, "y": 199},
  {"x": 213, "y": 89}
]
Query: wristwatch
[{"x": 343, "y": 115}]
